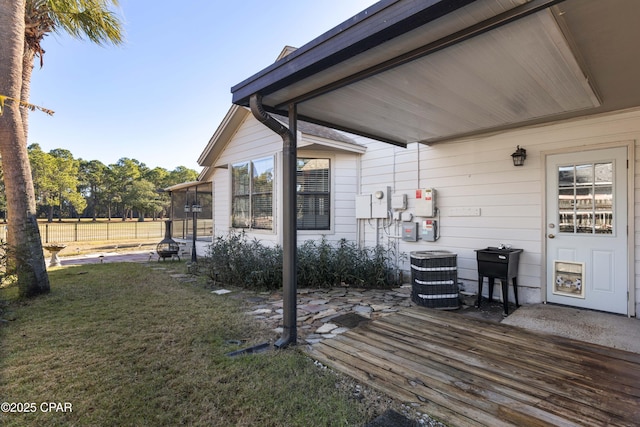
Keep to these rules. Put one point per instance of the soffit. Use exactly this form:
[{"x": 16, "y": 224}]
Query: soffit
[{"x": 573, "y": 59}]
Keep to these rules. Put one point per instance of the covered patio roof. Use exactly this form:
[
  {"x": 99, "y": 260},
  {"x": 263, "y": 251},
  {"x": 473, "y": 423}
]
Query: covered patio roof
[
  {"x": 426, "y": 71},
  {"x": 200, "y": 186}
]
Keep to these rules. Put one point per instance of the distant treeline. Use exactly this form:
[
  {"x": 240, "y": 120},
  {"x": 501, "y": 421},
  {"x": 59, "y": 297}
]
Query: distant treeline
[{"x": 66, "y": 187}]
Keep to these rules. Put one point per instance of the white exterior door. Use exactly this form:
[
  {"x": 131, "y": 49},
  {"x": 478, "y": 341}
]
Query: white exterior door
[{"x": 586, "y": 229}]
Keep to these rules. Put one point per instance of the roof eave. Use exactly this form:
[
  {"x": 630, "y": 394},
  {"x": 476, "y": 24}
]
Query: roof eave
[
  {"x": 222, "y": 135},
  {"x": 348, "y": 39},
  {"x": 183, "y": 186},
  {"x": 311, "y": 140}
]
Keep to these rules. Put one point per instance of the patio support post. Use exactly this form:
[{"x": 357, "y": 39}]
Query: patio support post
[
  {"x": 194, "y": 212},
  {"x": 289, "y": 232}
]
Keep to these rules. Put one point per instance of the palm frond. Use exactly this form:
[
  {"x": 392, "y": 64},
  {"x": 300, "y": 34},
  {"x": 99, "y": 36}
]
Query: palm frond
[
  {"x": 23, "y": 104},
  {"x": 94, "y": 20},
  {"x": 90, "y": 19}
]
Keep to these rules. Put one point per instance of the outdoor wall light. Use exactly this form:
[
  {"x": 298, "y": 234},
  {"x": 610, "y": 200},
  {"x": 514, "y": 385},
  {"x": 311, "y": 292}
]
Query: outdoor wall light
[
  {"x": 518, "y": 156},
  {"x": 194, "y": 209}
]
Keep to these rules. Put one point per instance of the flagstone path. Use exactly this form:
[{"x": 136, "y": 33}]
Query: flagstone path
[{"x": 322, "y": 312}]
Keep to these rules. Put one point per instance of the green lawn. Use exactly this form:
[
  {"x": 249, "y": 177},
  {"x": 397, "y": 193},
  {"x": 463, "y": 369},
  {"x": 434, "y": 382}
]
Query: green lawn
[{"x": 125, "y": 345}]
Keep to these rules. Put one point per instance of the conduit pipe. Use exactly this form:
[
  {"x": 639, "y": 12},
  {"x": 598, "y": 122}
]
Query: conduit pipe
[{"x": 289, "y": 232}]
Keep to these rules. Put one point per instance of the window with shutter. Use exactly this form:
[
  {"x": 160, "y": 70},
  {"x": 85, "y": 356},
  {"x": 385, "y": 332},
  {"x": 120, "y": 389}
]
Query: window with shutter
[{"x": 314, "y": 194}]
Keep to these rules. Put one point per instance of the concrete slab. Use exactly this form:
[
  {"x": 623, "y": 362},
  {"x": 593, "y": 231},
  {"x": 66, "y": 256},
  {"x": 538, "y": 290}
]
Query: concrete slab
[
  {"x": 104, "y": 257},
  {"x": 610, "y": 330}
]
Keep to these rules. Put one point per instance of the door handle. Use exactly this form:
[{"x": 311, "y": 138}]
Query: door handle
[{"x": 551, "y": 236}]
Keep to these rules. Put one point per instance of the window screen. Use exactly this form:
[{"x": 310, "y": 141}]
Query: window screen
[
  {"x": 262, "y": 194},
  {"x": 252, "y": 198}
]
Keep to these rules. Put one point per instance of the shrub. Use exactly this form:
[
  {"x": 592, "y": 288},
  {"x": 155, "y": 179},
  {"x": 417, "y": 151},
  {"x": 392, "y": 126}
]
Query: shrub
[{"x": 236, "y": 260}]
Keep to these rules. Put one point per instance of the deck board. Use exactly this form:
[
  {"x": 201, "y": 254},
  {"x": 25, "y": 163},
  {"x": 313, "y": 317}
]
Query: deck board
[{"x": 467, "y": 371}]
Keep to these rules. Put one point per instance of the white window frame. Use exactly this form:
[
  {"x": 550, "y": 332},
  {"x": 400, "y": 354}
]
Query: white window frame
[
  {"x": 250, "y": 224},
  {"x": 329, "y": 192}
]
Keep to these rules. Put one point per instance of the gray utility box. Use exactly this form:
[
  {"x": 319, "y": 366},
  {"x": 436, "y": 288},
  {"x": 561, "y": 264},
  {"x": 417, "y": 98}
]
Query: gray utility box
[
  {"x": 410, "y": 231},
  {"x": 429, "y": 230}
]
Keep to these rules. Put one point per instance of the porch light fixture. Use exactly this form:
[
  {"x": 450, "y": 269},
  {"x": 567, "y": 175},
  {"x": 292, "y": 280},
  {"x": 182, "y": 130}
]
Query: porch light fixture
[
  {"x": 518, "y": 156},
  {"x": 192, "y": 208}
]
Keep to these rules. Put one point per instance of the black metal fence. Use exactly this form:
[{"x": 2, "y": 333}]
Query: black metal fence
[
  {"x": 183, "y": 228},
  {"x": 64, "y": 232},
  {"x": 100, "y": 231}
]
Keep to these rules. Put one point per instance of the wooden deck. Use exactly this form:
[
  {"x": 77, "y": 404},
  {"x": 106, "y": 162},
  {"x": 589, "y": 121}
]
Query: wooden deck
[{"x": 469, "y": 372}]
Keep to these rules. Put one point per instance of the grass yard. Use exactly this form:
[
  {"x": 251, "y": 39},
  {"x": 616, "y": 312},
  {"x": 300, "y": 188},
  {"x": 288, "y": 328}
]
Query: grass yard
[{"x": 126, "y": 345}]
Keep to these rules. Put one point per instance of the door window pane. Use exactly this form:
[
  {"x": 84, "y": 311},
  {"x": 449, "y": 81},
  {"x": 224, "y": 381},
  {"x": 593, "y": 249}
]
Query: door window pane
[
  {"x": 585, "y": 198},
  {"x": 566, "y": 176},
  {"x": 584, "y": 174},
  {"x": 603, "y": 199}
]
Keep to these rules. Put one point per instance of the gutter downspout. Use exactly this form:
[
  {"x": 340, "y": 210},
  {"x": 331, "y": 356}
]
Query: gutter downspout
[{"x": 289, "y": 232}]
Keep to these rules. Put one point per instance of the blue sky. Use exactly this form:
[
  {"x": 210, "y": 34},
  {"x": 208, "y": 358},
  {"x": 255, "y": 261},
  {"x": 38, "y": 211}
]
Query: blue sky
[{"x": 160, "y": 96}]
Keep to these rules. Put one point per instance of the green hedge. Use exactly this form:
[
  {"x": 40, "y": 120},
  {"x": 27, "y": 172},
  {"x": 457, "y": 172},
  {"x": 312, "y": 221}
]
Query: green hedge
[{"x": 237, "y": 261}]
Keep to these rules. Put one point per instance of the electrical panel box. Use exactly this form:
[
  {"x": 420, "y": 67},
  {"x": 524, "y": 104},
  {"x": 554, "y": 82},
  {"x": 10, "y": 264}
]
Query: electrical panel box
[
  {"x": 406, "y": 216},
  {"x": 429, "y": 230},
  {"x": 399, "y": 202},
  {"x": 410, "y": 231},
  {"x": 363, "y": 206},
  {"x": 381, "y": 203},
  {"x": 425, "y": 202}
]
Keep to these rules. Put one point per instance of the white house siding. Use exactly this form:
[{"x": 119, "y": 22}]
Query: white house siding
[
  {"x": 221, "y": 202},
  {"x": 479, "y": 173},
  {"x": 252, "y": 141}
]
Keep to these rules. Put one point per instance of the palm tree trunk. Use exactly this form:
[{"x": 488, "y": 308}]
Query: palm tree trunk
[
  {"x": 23, "y": 234},
  {"x": 25, "y": 90}
]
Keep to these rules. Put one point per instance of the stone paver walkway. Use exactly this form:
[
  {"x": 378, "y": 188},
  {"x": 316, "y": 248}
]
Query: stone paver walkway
[{"x": 321, "y": 312}]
